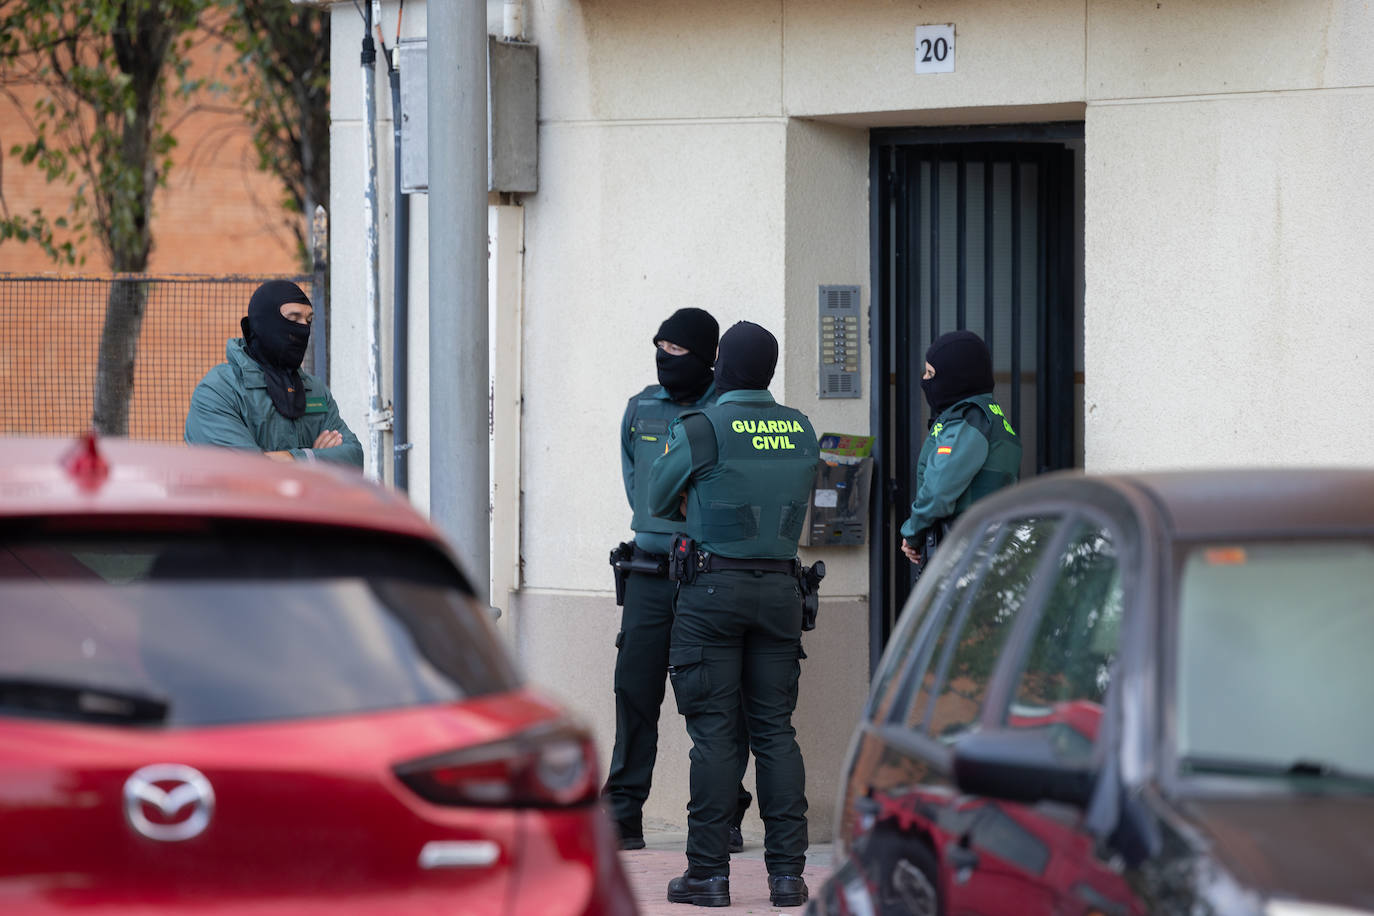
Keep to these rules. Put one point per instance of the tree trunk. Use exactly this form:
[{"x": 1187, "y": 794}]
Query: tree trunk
[
  {"x": 114, "y": 383},
  {"x": 141, "y": 48}
]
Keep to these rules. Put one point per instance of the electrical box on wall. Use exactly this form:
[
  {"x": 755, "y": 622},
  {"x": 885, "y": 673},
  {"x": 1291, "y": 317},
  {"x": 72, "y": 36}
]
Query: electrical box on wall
[
  {"x": 512, "y": 115},
  {"x": 839, "y": 342},
  {"x": 410, "y": 60}
]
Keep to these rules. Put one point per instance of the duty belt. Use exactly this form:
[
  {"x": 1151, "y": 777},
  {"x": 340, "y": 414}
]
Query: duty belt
[{"x": 709, "y": 562}]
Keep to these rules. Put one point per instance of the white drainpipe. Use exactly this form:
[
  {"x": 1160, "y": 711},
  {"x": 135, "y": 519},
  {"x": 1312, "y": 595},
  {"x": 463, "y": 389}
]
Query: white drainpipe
[
  {"x": 378, "y": 416},
  {"x": 513, "y": 20}
]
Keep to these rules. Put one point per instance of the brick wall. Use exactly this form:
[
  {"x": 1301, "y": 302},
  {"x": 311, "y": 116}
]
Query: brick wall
[{"x": 217, "y": 215}]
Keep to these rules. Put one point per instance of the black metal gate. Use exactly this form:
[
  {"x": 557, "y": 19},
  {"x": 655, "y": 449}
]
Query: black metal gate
[{"x": 970, "y": 230}]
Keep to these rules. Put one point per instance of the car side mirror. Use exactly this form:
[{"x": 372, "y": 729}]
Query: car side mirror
[{"x": 1019, "y": 765}]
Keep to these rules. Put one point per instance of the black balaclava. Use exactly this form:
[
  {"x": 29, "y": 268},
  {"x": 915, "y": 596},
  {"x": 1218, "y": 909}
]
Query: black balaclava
[
  {"x": 278, "y": 345},
  {"x": 687, "y": 376},
  {"x": 963, "y": 368},
  {"x": 748, "y": 356}
]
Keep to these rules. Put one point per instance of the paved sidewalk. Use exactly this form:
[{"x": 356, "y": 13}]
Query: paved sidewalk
[{"x": 650, "y": 869}]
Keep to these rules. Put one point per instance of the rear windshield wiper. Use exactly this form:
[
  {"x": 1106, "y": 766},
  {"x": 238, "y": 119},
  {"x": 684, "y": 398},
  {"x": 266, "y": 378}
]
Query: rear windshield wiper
[
  {"x": 1297, "y": 768},
  {"x": 83, "y": 702}
]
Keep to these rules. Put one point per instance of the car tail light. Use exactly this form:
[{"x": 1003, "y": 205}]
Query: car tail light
[{"x": 549, "y": 766}]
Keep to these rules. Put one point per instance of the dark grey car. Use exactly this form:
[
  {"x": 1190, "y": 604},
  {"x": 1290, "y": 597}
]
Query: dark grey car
[{"x": 1129, "y": 694}]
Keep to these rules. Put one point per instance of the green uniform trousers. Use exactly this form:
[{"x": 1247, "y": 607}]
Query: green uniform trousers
[
  {"x": 737, "y": 642},
  {"x": 641, "y": 669}
]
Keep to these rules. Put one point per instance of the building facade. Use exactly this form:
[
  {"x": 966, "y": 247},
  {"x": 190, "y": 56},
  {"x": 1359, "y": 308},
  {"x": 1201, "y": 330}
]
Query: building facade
[{"x": 1158, "y": 212}]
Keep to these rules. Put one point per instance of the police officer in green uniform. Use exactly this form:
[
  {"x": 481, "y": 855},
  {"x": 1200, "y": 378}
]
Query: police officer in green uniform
[
  {"x": 971, "y": 449},
  {"x": 686, "y": 351},
  {"x": 258, "y": 399},
  {"x": 747, "y": 466}
]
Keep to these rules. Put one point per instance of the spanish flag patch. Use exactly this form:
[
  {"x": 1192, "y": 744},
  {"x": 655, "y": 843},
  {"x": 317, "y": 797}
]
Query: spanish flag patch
[{"x": 944, "y": 450}]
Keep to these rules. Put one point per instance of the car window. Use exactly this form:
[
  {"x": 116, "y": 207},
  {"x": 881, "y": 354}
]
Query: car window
[
  {"x": 994, "y": 830},
  {"x": 1070, "y": 659},
  {"x": 212, "y": 629},
  {"x": 968, "y": 649},
  {"x": 903, "y": 670},
  {"x": 1274, "y": 658}
]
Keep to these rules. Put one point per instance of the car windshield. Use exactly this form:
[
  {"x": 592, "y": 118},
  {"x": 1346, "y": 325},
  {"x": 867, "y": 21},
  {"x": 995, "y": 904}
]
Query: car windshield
[
  {"x": 239, "y": 627},
  {"x": 1275, "y": 648}
]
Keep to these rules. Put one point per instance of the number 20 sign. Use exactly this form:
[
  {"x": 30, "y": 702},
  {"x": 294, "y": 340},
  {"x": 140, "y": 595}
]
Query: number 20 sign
[{"x": 935, "y": 48}]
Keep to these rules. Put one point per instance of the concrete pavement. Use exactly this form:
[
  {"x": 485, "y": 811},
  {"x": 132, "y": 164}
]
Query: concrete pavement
[{"x": 650, "y": 869}]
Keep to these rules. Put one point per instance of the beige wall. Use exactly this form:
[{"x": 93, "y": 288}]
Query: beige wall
[
  {"x": 1227, "y": 221},
  {"x": 827, "y": 244},
  {"x": 1229, "y": 276},
  {"x": 860, "y": 57}
]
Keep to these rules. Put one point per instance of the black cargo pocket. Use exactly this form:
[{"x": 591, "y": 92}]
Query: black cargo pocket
[
  {"x": 620, "y": 639},
  {"x": 687, "y": 672},
  {"x": 795, "y": 674}
]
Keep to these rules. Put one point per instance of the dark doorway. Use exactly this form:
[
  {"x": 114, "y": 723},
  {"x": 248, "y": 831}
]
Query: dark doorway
[{"x": 976, "y": 228}]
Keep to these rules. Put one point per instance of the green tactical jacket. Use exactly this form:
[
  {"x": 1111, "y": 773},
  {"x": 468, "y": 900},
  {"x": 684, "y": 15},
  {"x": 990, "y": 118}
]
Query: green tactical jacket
[
  {"x": 230, "y": 408},
  {"x": 643, "y": 433},
  {"x": 971, "y": 451}
]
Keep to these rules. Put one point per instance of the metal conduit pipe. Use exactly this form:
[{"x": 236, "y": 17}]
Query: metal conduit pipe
[
  {"x": 400, "y": 316},
  {"x": 459, "y": 380}
]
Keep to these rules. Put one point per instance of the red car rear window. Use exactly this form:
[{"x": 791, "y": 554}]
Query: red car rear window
[{"x": 233, "y": 625}]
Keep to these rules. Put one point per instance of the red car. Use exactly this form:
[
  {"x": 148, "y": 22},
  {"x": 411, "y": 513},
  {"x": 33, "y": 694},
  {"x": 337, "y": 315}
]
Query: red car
[{"x": 230, "y": 685}]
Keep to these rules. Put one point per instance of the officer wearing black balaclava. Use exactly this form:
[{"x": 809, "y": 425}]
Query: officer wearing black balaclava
[
  {"x": 685, "y": 351},
  {"x": 971, "y": 449},
  {"x": 259, "y": 398},
  {"x": 277, "y": 343},
  {"x": 746, "y": 466}
]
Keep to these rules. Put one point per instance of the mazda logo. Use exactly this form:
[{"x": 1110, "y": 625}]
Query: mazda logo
[{"x": 181, "y": 797}]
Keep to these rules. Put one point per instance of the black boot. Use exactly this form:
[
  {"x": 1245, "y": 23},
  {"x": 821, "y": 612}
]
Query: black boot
[
  {"x": 736, "y": 841},
  {"x": 631, "y": 835},
  {"x": 713, "y": 891},
  {"x": 786, "y": 890}
]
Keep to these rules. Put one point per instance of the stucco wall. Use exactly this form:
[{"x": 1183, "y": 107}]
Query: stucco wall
[
  {"x": 857, "y": 57},
  {"x": 631, "y": 222},
  {"x": 1228, "y": 280},
  {"x": 827, "y": 244},
  {"x": 1227, "y": 228}
]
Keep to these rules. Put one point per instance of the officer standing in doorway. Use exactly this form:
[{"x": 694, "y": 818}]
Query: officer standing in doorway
[
  {"x": 746, "y": 465},
  {"x": 686, "y": 351},
  {"x": 971, "y": 449}
]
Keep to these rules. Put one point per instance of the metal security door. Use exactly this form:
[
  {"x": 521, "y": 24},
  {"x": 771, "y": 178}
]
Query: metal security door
[{"x": 976, "y": 235}]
